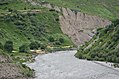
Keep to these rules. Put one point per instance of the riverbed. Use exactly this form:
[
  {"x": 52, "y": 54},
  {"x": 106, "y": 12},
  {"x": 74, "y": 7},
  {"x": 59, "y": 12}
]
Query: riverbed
[{"x": 64, "y": 65}]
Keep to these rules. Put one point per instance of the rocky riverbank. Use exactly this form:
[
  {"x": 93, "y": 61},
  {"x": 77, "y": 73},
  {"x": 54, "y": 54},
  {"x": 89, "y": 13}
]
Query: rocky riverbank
[{"x": 11, "y": 70}]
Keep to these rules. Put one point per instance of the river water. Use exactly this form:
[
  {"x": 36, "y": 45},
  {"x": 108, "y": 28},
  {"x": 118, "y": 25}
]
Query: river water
[{"x": 63, "y": 65}]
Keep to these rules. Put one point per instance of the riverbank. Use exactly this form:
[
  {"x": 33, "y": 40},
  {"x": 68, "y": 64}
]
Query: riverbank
[
  {"x": 107, "y": 64},
  {"x": 11, "y": 66}
]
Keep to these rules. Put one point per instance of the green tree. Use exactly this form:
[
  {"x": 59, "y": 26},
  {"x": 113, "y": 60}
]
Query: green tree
[
  {"x": 51, "y": 39},
  {"x": 61, "y": 40},
  {"x": 34, "y": 45},
  {"x": 8, "y": 46}
]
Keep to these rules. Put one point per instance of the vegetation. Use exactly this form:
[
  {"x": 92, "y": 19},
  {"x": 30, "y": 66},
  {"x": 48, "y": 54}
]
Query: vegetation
[
  {"x": 23, "y": 27},
  {"x": 34, "y": 45},
  {"x": 104, "y": 8},
  {"x": 1, "y": 46},
  {"x": 28, "y": 28},
  {"x": 8, "y": 46},
  {"x": 24, "y": 49},
  {"x": 104, "y": 46}
]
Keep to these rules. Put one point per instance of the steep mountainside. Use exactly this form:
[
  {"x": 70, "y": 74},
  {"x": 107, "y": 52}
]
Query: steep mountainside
[
  {"x": 104, "y": 46},
  {"x": 80, "y": 27}
]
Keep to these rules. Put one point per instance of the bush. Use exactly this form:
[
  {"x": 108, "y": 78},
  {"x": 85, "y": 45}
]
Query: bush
[
  {"x": 24, "y": 49},
  {"x": 61, "y": 40},
  {"x": 51, "y": 39},
  {"x": 1, "y": 46},
  {"x": 34, "y": 45},
  {"x": 8, "y": 46},
  {"x": 115, "y": 37},
  {"x": 80, "y": 56},
  {"x": 43, "y": 46}
]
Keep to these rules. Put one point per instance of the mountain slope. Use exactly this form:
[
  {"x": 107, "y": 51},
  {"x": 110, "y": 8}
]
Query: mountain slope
[
  {"x": 27, "y": 23},
  {"x": 24, "y": 25},
  {"x": 104, "y": 46},
  {"x": 80, "y": 27},
  {"x": 104, "y": 8}
]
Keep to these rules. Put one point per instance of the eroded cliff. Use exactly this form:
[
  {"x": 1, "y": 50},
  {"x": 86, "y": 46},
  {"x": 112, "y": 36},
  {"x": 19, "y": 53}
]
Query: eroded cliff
[{"x": 80, "y": 27}]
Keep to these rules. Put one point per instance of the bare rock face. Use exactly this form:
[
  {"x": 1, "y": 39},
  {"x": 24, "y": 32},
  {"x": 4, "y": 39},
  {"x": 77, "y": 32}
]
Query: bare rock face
[{"x": 80, "y": 27}]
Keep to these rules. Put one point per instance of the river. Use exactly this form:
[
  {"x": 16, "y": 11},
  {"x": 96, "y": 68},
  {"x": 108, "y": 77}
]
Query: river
[{"x": 64, "y": 65}]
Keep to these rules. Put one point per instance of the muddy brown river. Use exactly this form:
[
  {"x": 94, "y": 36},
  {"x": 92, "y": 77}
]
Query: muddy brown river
[{"x": 64, "y": 65}]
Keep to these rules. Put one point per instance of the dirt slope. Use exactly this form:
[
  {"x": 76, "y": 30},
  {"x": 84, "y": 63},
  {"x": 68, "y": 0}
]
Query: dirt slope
[
  {"x": 80, "y": 27},
  {"x": 9, "y": 70}
]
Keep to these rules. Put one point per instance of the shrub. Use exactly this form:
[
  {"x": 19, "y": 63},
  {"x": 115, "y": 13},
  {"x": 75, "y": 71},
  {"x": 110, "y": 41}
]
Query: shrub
[
  {"x": 61, "y": 40},
  {"x": 1, "y": 46},
  {"x": 43, "y": 46},
  {"x": 80, "y": 56},
  {"x": 34, "y": 45},
  {"x": 51, "y": 39},
  {"x": 8, "y": 46},
  {"x": 24, "y": 49}
]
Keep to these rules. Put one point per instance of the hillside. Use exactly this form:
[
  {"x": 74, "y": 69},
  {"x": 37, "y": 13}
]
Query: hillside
[
  {"x": 23, "y": 23},
  {"x": 104, "y": 8},
  {"x": 24, "y": 27},
  {"x": 80, "y": 27},
  {"x": 104, "y": 46}
]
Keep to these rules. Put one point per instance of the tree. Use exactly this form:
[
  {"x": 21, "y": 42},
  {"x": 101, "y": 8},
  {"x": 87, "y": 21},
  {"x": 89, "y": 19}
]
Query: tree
[
  {"x": 34, "y": 45},
  {"x": 61, "y": 40},
  {"x": 24, "y": 48},
  {"x": 43, "y": 46},
  {"x": 51, "y": 39},
  {"x": 8, "y": 46}
]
